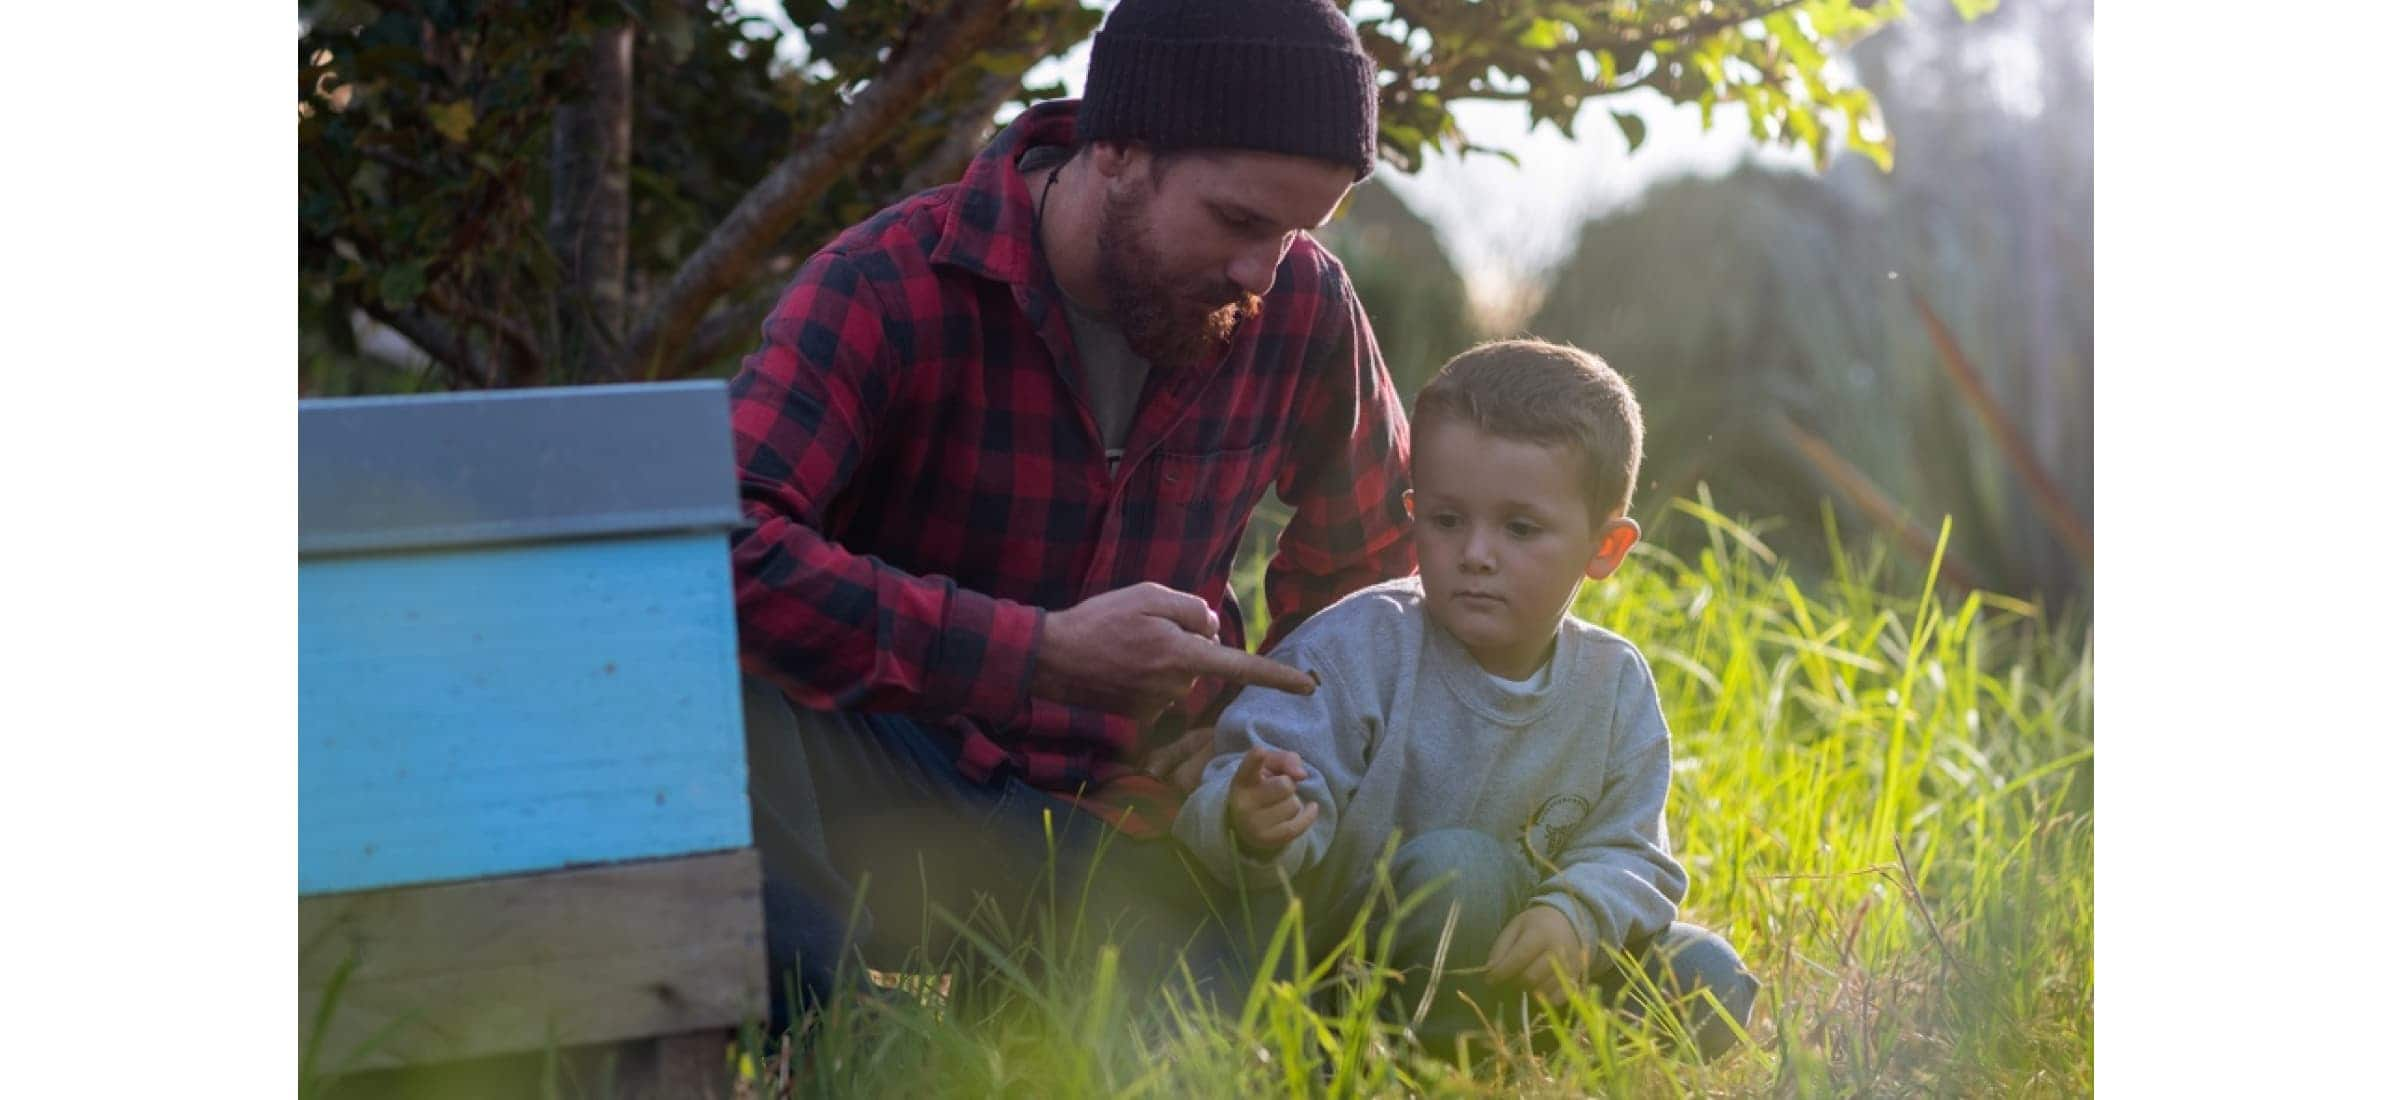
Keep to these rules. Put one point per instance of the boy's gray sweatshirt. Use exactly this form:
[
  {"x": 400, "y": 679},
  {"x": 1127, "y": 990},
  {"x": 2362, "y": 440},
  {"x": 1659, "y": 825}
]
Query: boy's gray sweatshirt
[{"x": 1408, "y": 734}]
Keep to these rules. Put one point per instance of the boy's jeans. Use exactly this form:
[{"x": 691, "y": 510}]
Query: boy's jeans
[
  {"x": 865, "y": 816},
  {"x": 1492, "y": 882}
]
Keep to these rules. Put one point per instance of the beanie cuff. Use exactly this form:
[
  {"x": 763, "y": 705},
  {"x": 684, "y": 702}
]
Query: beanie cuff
[{"x": 1301, "y": 99}]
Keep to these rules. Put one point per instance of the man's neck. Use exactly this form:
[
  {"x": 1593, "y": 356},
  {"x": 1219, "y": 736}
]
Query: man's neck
[{"x": 1067, "y": 233}]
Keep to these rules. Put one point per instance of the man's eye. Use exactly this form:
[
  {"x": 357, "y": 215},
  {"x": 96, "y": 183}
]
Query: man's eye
[{"x": 1254, "y": 228}]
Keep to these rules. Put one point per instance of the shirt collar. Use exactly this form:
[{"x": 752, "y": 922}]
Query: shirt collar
[{"x": 990, "y": 226}]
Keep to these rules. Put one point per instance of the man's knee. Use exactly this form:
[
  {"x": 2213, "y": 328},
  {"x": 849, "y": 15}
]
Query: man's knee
[
  {"x": 780, "y": 789},
  {"x": 767, "y": 711},
  {"x": 776, "y": 758}
]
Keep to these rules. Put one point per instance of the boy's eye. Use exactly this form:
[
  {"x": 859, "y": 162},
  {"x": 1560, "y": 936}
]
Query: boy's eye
[
  {"x": 1445, "y": 520},
  {"x": 1521, "y": 528}
]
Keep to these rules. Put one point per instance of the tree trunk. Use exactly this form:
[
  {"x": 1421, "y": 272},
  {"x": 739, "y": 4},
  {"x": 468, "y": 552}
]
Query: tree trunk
[{"x": 589, "y": 219}]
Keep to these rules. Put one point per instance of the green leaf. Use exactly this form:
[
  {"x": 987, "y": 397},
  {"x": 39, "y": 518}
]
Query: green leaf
[
  {"x": 1806, "y": 128},
  {"x": 1881, "y": 153},
  {"x": 1789, "y": 37},
  {"x": 1505, "y": 155},
  {"x": 1757, "y": 117},
  {"x": 1632, "y": 127},
  {"x": 1708, "y": 65},
  {"x": 401, "y": 285},
  {"x": 1542, "y": 34},
  {"x": 671, "y": 26},
  {"x": 453, "y": 120}
]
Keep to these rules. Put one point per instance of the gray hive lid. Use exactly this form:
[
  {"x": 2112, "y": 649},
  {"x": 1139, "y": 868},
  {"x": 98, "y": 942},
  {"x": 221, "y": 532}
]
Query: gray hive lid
[{"x": 458, "y": 469}]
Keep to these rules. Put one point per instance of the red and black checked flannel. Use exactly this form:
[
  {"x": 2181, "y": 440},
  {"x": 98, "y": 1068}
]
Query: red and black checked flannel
[{"x": 921, "y": 478}]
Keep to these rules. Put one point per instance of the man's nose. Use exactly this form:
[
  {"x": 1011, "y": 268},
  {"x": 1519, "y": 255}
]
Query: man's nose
[{"x": 1256, "y": 268}]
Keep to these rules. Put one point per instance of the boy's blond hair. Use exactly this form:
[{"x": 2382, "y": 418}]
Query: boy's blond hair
[{"x": 1550, "y": 394}]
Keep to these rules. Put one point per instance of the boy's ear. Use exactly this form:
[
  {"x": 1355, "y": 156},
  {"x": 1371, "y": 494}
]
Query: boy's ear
[{"x": 1612, "y": 542}]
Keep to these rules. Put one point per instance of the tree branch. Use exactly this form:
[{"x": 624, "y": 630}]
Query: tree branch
[
  {"x": 1684, "y": 27},
  {"x": 507, "y": 330},
  {"x": 772, "y": 206},
  {"x": 416, "y": 168},
  {"x": 1690, "y": 26},
  {"x": 1499, "y": 95},
  {"x": 946, "y": 161},
  {"x": 445, "y": 348},
  {"x": 1640, "y": 82},
  {"x": 972, "y": 126},
  {"x": 720, "y": 333}
]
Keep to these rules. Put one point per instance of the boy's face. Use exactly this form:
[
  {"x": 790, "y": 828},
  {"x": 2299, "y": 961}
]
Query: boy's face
[{"x": 1504, "y": 535}]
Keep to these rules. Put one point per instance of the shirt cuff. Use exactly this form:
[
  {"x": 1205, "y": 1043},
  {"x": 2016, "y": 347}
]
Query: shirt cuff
[{"x": 997, "y": 688}]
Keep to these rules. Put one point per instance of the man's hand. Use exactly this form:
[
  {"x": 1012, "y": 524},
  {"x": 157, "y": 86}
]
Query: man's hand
[
  {"x": 1182, "y": 762},
  {"x": 1264, "y": 811},
  {"x": 1540, "y": 951},
  {"x": 1137, "y": 650}
]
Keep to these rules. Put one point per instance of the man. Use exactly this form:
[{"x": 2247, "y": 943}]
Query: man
[{"x": 996, "y": 456}]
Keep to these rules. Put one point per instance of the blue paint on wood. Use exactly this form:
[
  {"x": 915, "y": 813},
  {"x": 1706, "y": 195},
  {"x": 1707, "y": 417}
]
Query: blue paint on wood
[{"x": 513, "y": 709}]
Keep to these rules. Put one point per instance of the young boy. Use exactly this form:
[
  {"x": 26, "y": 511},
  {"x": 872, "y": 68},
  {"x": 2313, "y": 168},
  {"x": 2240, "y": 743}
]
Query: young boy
[{"x": 1517, "y": 753}]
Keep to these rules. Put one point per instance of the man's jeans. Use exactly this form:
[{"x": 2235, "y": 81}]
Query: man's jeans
[
  {"x": 874, "y": 847},
  {"x": 1491, "y": 882}
]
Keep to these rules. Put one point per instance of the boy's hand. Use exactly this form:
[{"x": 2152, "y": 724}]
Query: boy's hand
[
  {"x": 1264, "y": 811},
  {"x": 1540, "y": 951}
]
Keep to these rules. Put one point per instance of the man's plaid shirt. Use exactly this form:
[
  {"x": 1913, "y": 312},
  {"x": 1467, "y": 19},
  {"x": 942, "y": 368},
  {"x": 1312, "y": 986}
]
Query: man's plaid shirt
[{"x": 922, "y": 481}]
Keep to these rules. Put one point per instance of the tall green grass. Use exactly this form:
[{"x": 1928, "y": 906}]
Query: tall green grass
[{"x": 1883, "y": 798}]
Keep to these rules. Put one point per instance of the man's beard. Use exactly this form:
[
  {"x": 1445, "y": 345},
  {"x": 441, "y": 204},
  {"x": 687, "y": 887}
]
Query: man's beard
[{"x": 1172, "y": 328}]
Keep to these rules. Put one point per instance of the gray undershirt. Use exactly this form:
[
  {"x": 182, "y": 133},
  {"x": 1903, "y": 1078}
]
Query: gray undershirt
[{"x": 1112, "y": 374}]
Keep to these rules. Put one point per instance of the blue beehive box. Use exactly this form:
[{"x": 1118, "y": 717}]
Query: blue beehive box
[{"x": 519, "y": 703}]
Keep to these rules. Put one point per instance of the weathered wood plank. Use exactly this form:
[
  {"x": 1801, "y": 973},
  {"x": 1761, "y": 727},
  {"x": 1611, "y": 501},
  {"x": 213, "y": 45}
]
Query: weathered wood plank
[
  {"x": 532, "y": 962},
  {"x": 501, "y": 710},
  {"x": 691, "y": 1066}
]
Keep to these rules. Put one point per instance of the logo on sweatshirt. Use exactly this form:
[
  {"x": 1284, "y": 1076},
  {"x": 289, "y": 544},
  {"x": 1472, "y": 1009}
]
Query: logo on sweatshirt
[{"x": 1550, "y": 830}]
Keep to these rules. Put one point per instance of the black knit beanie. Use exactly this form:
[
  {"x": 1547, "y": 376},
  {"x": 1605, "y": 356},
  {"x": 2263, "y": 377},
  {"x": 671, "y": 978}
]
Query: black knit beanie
[{"x": 1281, "y": 76}]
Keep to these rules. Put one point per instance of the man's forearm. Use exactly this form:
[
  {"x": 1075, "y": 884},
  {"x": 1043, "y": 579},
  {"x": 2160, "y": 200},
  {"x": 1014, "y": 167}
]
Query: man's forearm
[{"x": 837, "y": 630}]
